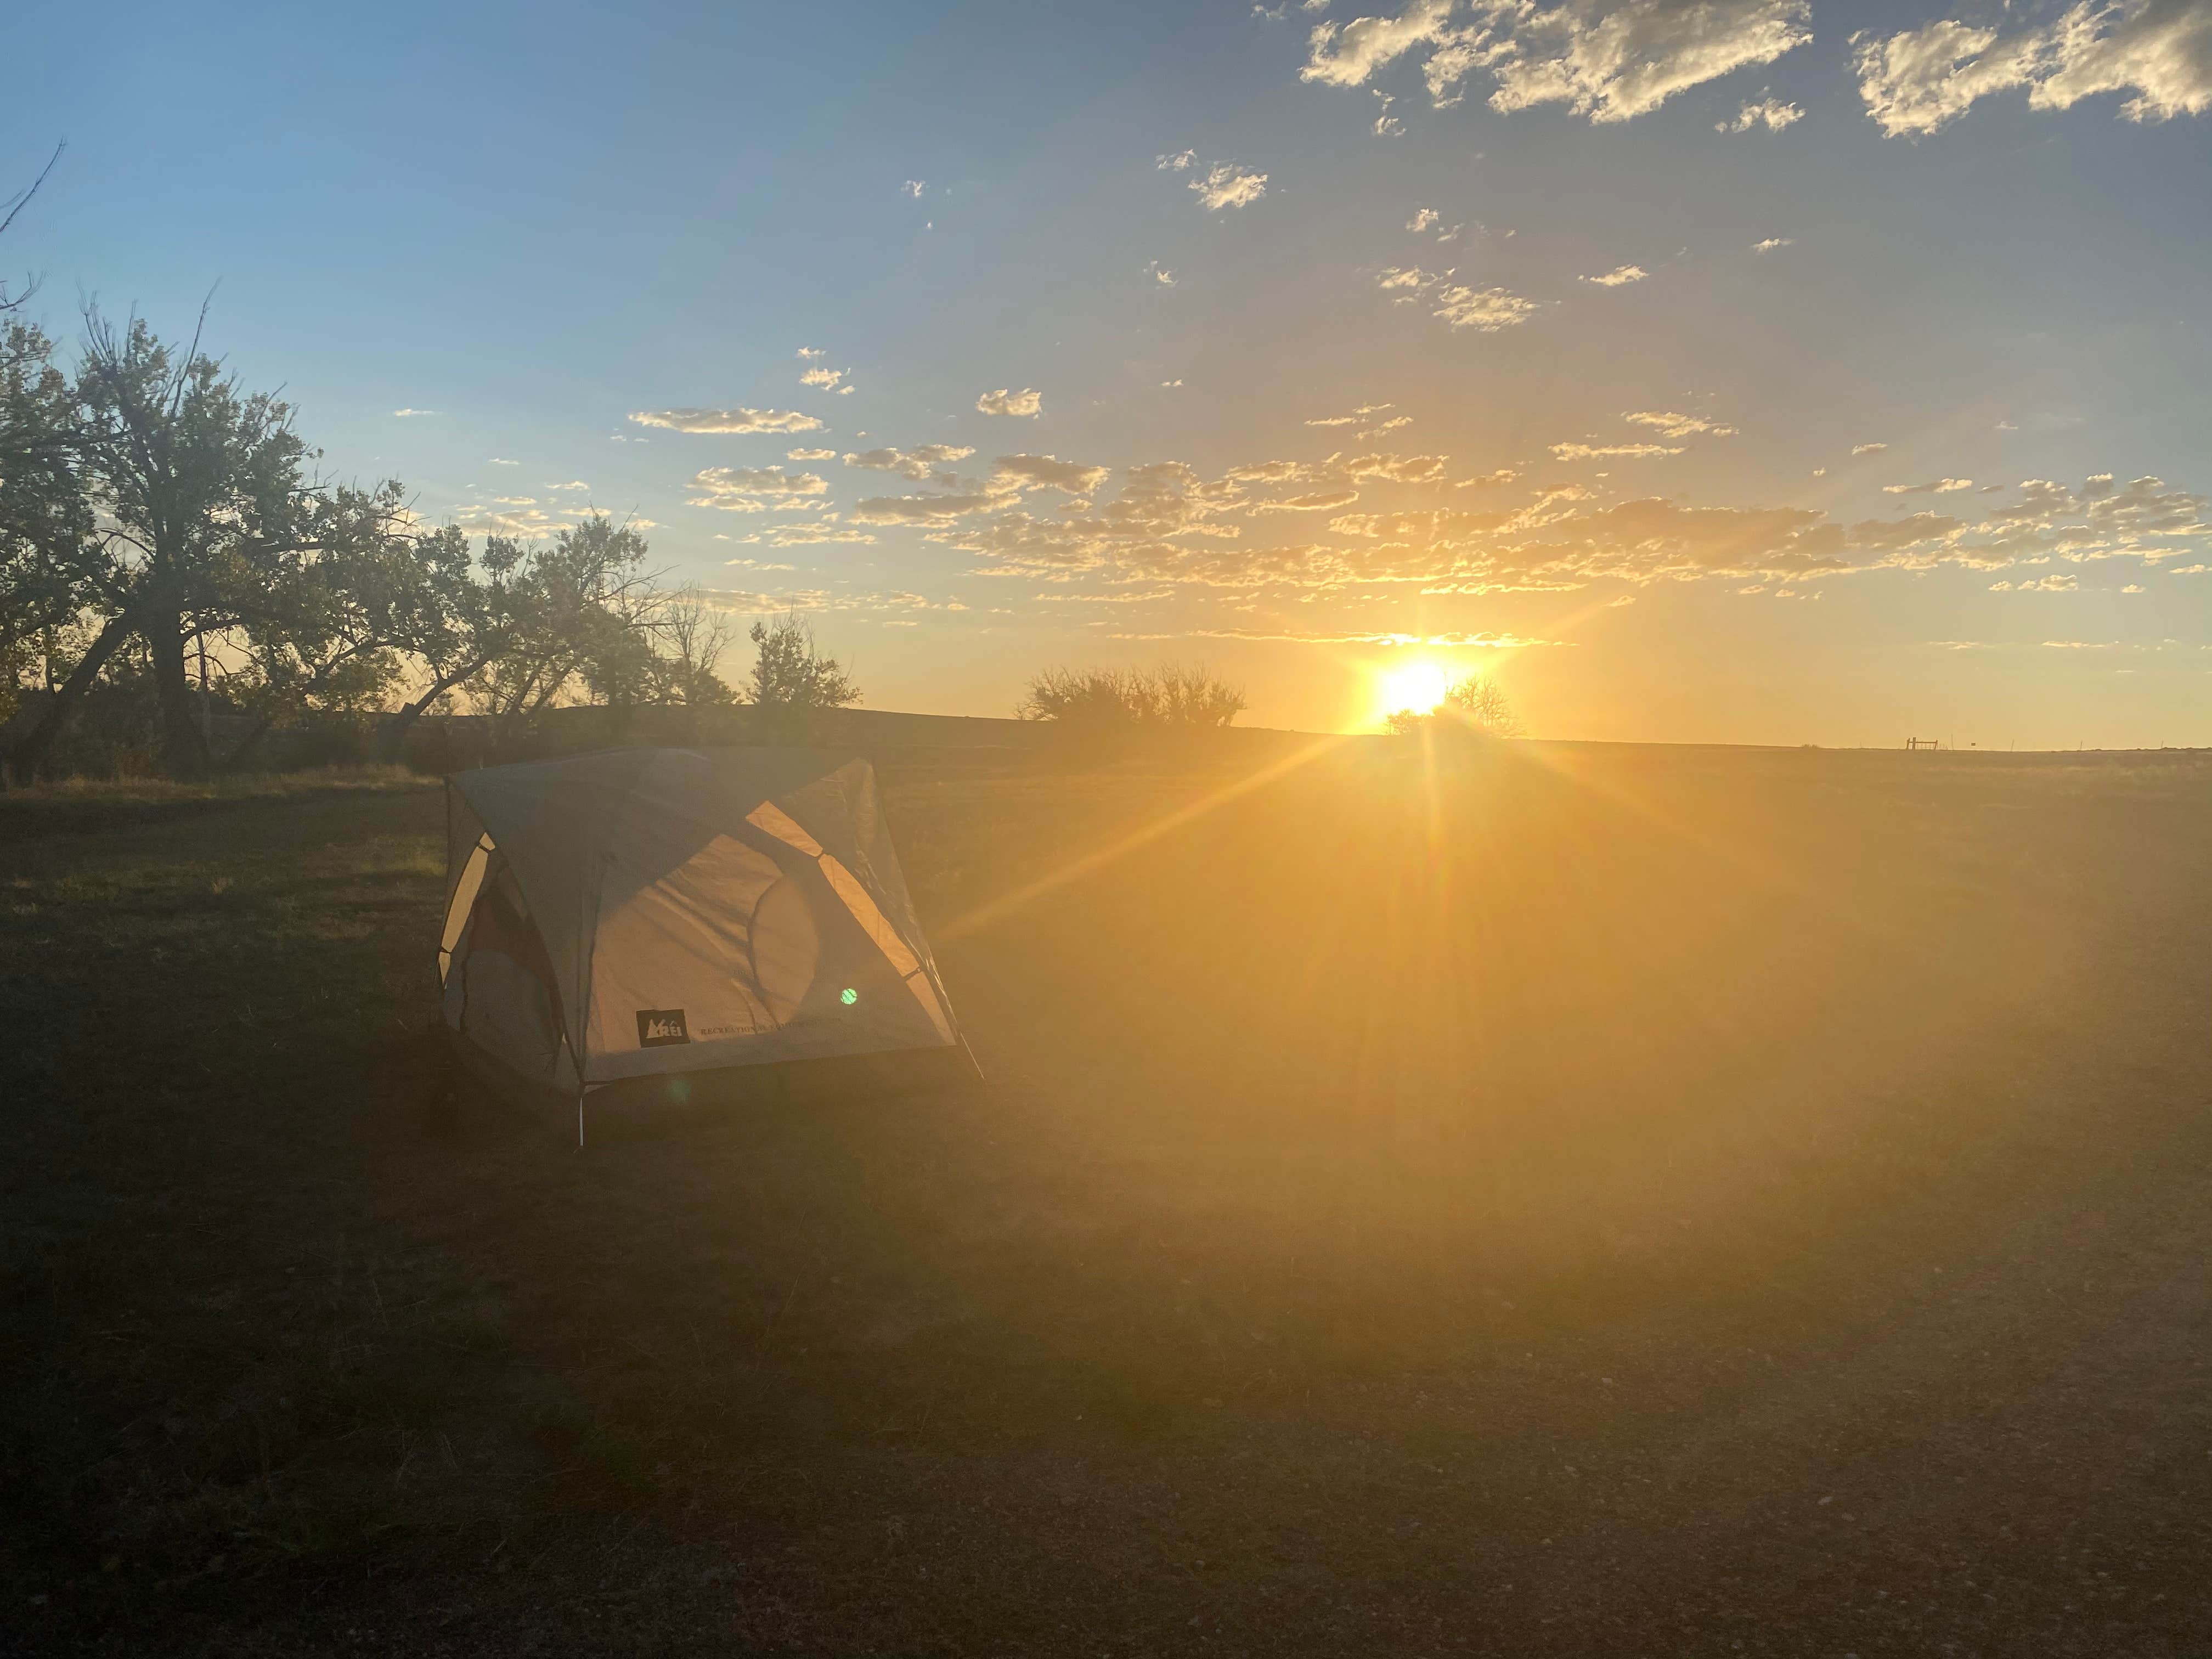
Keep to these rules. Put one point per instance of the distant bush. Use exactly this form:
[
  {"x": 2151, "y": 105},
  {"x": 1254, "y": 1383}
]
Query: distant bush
[
  {"x": 793, "y": 685},
  {"x": 1105, "y": 704},
  {"x": 1471, "y": 706}
]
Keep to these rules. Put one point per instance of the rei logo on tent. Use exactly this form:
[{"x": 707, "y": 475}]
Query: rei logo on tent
[{"x": 659, "y": 1027}]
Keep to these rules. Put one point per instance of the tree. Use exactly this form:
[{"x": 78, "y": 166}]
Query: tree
[
  {"x": 1111, "y": 703},
  {"x": 578, "y": 619},
  {"x": 206, "y": 537},
  {"x": 45, "y": 517},
  {"x": 793, "y": 683},
  {"x": 9, "y": 210},
  {"x": 1473, "y": 706},
  {"x": 693, "y": 636}
]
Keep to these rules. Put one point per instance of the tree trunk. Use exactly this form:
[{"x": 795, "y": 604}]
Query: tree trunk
[
  {"x": 395, "y": 735},
  {"x": 24, "y": 758},
  {"x": 184, "y": 751}
]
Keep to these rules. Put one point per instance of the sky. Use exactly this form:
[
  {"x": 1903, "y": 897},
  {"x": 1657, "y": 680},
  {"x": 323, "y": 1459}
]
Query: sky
[{"x": 1745, "y": 371}]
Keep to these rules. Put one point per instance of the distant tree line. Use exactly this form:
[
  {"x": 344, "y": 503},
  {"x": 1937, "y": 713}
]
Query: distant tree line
[{"x": 165, "y": 540}]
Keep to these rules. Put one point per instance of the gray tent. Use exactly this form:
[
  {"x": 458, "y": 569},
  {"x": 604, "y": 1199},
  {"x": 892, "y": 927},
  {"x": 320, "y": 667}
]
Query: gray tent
[{"x": 640, "y": 914}]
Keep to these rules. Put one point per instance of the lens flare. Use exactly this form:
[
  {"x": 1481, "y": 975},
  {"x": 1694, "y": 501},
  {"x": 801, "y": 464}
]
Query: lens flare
[{"x": 1415, "y": 689}]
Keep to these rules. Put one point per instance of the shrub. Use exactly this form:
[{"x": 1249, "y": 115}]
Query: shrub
[
  {"x": 1471, "y": 706},
  {"x": 792, "y": 684},
  {"x": 1118, "y": 704}
]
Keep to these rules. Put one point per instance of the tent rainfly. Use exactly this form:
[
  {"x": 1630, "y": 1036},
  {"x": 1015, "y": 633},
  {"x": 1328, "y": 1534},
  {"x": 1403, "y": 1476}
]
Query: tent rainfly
[{"x": 636, "y": 915}]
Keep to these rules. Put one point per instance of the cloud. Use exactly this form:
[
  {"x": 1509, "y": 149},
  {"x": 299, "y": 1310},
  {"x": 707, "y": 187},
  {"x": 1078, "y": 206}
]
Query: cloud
[
  {"x": 1938, "y": 487},
  {"x": 572, "y": 483},
  {"x": 411, "y": 414},
  {"x": 1606, "y": 62},
  {"x": 919, "y": 464},
  {"x": 914, "y": 187},
  {"x": 751, "y": 488},
  {"x": 1422, "y": 219},
  {"x": 1772, "y": 243},
  {"x": 519, "y": 521},
  {"x": 1226, "y": 185},
  {"x": 811, "y": 351},
  {"x": 2056, "y": 583},
  {"x": 1045, "y": 472},
  {"x": 1487, "y": 311},
  {"x": 1769, "y": 113},
  {"x": 497, "y": 460},
  {"x": 726, "y": 420},
  {"x": 926, "y": 509},
  {"x": 1920, "y": 79},
  {"x": 1868, "y": 449},
  {"x": 825, "y": 378},
  {"x": 1003, "y": 402},
  {"x": 1346, "y": 55},
  {"x": 816, "y": 599},
  {"x": 1363, "y": 422},
  {"x": 1396, "y": 469},
  {"x": 809, "y": 454},
  {"x": 1223, "y": 184},
  {"x": 1324, "y": 501},
  {"x": 1624, "y": 452},
  {"x": 816, "y": 534},
  {"x": 1619, "y": 276},
  {"x": 1679, "y": 426},
  {"x": 1160, "y": 273},
  {"x": 1916, "y": 532}
]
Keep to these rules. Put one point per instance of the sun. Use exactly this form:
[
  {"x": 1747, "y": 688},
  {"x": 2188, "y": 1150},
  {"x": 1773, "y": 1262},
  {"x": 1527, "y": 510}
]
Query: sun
[{"x": 1417, "y": 688}]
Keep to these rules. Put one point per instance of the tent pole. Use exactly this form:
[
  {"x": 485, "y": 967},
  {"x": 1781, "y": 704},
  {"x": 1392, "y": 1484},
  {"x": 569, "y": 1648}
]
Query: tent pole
[{"x": 580, "y": 1117}]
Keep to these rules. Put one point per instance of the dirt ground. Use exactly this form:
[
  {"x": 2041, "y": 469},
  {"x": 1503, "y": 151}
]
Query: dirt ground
[{"x": 1574, "y": 1200}]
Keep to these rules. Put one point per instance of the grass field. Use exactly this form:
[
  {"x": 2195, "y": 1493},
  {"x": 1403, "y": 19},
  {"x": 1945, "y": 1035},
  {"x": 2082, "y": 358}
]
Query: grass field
[{"x": 1595, "y": 1200}]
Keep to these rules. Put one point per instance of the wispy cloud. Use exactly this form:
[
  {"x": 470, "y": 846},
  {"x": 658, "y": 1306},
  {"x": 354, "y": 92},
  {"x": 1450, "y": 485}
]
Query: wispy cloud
[
  {"x": 1574, "y": 451},
  {"x": 1619, "y": 276},
  {"x": 1486, "y": 311},
  {"x": 411, "y": 414},
  {"x": 1674, "y": 425},
  {"x": 1019, "y": 403},
  {"x": 1769, "y": 113},
  {"x": 1219, "y": 185},
  {"x": 726, "y": 420},
  {"x": 752, "y": 488},
  {"x": 921, "y": 464},
  {"x": 1606, "y": 62},
  {"x": 1935, "y": 486},
  {"x": 1920, "y": 79}
]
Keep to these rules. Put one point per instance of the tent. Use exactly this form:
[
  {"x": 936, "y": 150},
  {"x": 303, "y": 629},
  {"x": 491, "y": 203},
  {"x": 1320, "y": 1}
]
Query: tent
[{"x": 639, "y": 919}]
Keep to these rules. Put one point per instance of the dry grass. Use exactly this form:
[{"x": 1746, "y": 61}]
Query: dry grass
[{"x": 1488, "y": 1212}]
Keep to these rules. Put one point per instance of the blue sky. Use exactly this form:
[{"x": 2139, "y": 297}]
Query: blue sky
[{"x": 1986, "y": 234}]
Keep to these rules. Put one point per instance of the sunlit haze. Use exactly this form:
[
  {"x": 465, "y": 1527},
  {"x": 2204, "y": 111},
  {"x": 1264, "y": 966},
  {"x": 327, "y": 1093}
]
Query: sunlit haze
[{"x": 1745, "y": 371}]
